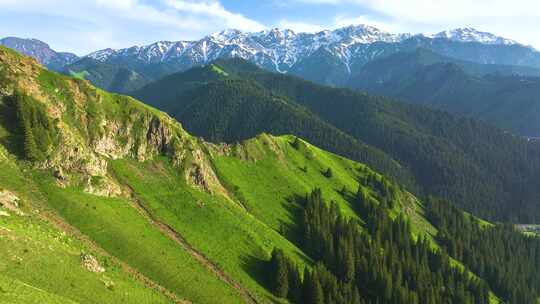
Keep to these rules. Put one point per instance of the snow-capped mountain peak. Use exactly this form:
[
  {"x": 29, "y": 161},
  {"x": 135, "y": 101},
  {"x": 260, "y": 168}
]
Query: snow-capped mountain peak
[
  {"x": 282, "y": 49},
  {"x": 469, "y": 34}
]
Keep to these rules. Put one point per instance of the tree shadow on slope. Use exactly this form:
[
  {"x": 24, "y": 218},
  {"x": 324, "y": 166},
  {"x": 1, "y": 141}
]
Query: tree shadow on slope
[
  {"x": 256, "y": 268},
  {"x": 291, "y": 230},
  {"x": 11, "y": 135}
]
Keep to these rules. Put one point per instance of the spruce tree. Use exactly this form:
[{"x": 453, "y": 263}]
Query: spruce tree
[
  {"x": 280, "y": 278},
  {"x": 312, "y": 289},
  {"x": 328, "y": 173}
]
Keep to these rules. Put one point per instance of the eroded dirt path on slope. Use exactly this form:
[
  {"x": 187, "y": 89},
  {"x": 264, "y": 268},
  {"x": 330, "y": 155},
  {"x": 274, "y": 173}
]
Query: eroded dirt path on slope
[{"x": 197, "y": 255}]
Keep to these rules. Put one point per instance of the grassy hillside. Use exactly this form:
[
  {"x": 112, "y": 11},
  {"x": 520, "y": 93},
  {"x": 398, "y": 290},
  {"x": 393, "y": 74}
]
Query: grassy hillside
[{"x": 106, "y": 200}]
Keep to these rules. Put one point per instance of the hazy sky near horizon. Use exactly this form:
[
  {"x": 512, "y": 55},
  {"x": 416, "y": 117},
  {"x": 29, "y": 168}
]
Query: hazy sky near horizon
[{"x": 83, "y": 26}]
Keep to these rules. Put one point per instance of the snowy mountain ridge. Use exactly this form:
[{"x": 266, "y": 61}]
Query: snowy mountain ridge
[
  {"x": 282, "y": 47},
  {"x": 469, "y": 34},
  {"x": 276, "y": 49}
]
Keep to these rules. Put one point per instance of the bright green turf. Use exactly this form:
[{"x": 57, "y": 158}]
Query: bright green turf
[
  {"x": 47, "y": 259},
  {"x": 219, "y": 70},
  {"x": 237, "y": 242},
  {"x": 266, "y": 179},
  {"x": 122, "y": 231},
  {"x": 79, "y": 75},
  {"x": 13, "y": 291}
]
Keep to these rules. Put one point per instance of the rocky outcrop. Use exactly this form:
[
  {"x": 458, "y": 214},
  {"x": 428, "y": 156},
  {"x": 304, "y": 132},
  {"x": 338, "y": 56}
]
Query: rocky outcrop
[
  {"x": 10, "y": 202},
  {"x": 159, "y": 136},
  {"x": 92, "y": 127},
  {"x": 200, "y": 174},
  {"x": 91, "y": 263},
  {"x": 102, "y": 186}
]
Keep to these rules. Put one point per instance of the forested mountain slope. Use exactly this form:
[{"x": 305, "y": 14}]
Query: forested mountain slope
[
  {"x": 112, "y": 78},
  {"x": 497, "y": 94},
  {"x": 486, "y": 170}
]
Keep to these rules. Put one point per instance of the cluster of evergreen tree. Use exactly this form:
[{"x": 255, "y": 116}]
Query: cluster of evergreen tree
[
  {"x": 37, "y": 129},
  {"x": 504, "y": 257},
  {"x": 375, "y": 262}
]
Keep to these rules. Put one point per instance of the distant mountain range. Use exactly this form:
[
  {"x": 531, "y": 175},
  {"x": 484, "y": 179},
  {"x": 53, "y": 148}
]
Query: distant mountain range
[
  {"x": 339, "y": 53},
  {"x": 326, "y": 57},
  {"x": 41, "y": 51},
  {"x": 494, "y": 93}
]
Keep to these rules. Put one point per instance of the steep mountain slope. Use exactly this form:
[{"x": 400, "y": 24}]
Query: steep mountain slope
[
  {"x": 40, "y": 51},
  {"x": 133, "y": 209},
  {"x": 479, "y": 91},
  {"x": 459, "y": 159}
]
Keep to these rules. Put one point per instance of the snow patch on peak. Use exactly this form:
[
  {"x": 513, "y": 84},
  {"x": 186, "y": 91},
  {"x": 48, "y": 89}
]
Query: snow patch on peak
[
  {"x": 101, "y": 55},
  {"x": 470, "y": 34}
]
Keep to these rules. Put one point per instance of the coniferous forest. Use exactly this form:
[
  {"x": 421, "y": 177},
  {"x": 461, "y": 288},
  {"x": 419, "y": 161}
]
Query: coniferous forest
[
  {"x": 376, "y": 259},
  {"x": 504, "y": 257}
]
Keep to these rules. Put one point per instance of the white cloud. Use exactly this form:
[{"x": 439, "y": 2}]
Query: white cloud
[
  {"x": 517, "y": 19},
  {"x": 85, "y": 26},
  {"x": 299, "y": 27},
  {"x": 343, "y": 21},
  {"x": 320, "y": 1},
  {"x": 215, "y": 10},
  {"x": 513, "y": 19},
  {"x": 429, "y": 10}
]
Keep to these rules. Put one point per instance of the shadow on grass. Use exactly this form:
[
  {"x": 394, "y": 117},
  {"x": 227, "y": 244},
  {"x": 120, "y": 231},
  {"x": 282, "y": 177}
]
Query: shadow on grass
[
  {"x": 256, "y": 268},
  {"x": 291, "y": 230},
  {"x": 8, "y": 121}
]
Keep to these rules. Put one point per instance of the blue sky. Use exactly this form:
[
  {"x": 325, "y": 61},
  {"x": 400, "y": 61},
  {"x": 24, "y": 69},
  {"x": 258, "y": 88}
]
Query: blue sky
[{"x": 83, "y": 26}]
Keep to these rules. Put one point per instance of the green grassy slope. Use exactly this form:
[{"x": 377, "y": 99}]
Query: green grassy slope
[
  {"x": 110, "y": 223},
  {"x": 41, "y": 262}
]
